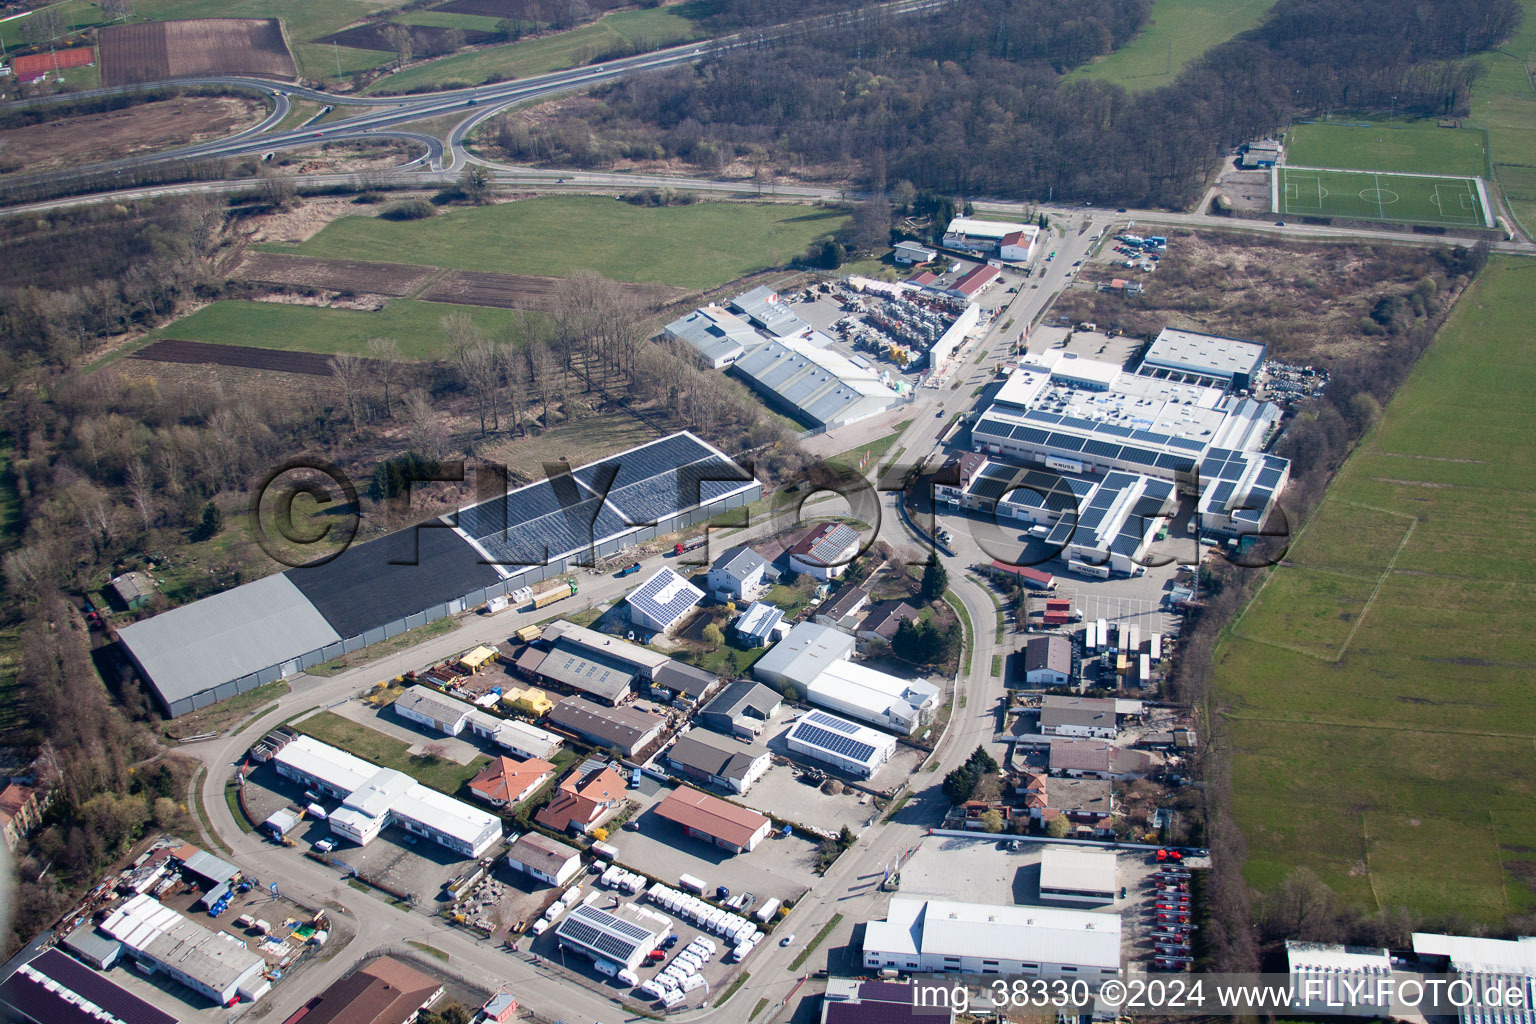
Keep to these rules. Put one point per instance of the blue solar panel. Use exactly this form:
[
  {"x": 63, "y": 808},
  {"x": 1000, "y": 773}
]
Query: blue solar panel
[
  {"x": 1139, "y": 456},
  {"x": 841, "y": 725},
  {"x": 565, "y": 530},
  {"x": 1030, "y": 435},
  {"x": 1068, "y": 442},
  {"x": 1221, "y": 494},
  {"x": 1078, "y": 486},
  {"x": 1268, "y": 477},
  {"x": 992, "y": 427},
  {"x": 647, "y": 597},
  {"x": 1114, "y": 430},
  {"x": 1078, "y": 423},
  {"x": 998, "y": 471},
  {"x": 1044, "y": 417},
  {"x": 655, "y": 458},
  {"x": 1149, "y": 437},
  {"x": 1233, "y": 469},
  {"x": 1187, "y": 443},
  {"x": 1103, "y": 449},
  {"x": 1177, "y": 463}
]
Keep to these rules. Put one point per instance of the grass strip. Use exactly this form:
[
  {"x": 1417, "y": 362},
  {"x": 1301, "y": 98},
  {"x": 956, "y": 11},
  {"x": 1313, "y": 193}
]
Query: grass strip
[{"x": 816, "y": 940}]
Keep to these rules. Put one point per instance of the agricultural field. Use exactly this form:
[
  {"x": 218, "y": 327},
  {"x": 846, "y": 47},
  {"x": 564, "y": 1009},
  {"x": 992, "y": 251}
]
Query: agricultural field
[
  {"x": 1176, "y": 33},
  {"x": 160, "y": 124},
  {"x": 1416, "y": 147},
  {"x": 1504, "y": 103},
  {"x": 1377, "y": 688},
  {"x": 416, "y": 326},
  {"x": 640, "y": 29},
  {"x": 700, "y": 246},
  {"x": 523, "y": 291},
  {"x": 148, "y": 51},
  {"x": 394, "y": 279},
  {"x": 201, "y": 353},
  {"x": 1398, "y": 198}
]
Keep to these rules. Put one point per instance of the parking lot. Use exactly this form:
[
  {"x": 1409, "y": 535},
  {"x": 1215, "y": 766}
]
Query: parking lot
[
  {"x": 777, "y": 868},
  {"x": 983, "y": 870}
]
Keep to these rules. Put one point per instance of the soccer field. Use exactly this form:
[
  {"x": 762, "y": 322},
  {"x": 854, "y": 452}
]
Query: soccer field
[{"x": 1368, "y": 195}]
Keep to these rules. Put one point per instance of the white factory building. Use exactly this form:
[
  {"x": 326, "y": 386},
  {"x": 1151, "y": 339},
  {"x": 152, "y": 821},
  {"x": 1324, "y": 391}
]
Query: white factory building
[
  {"x": 1010, "y": 241},
  {"x": 373, "y": 797},
  {"x": 937, "y": 936},
  {"x": 802, "y": 377},
  {"x": 1337, "y": 981},
  {"x": 854, "y": 748},
  {"x": 1203, "y": 359},
  {"x": 814, "y": 659},
  {"x": 1075, "y": 874},
  {"x": 663, "y": 601},
  {"x": 214, "y": 964},
  {"x": 622, "y": 937},
  {"x": 718, "y": 336}
]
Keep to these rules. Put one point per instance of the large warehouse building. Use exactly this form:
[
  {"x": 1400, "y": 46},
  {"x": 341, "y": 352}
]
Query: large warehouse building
[
  {"x": 213, "y": 964},
  {"x": 854, "y": 748},
  {"x": 204, "y": 652},
  {"x": 374, "y": 797},
  {"x": 816, "y": 385},
  {"x": 814, "y": 659},
  {"x": 622, "y": 937},
  {"x": 933, "y": 936}
]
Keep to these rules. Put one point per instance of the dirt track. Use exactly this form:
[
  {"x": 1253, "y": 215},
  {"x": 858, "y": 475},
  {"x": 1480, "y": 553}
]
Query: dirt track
[
  {"x": 521, "y": 291},
  {"x": 333, "y": 275}
]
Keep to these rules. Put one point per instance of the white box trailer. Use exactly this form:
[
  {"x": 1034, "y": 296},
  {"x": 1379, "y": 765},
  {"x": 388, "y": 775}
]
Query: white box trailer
[
  {"x": 1144, "y": 668},
  {"x": 1155, "y": 648},
  {"x": 765, "y": 912},
  {"x": 692, "y": 884},
  {"x": 693, "y": 982},
  {"x": 1090, "y": 635}
]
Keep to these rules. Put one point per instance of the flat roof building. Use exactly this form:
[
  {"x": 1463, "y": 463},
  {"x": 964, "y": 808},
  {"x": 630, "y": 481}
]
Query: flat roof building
[
  {"x": 1203, "y": 358},
  {"x": 51, "y": 988},
  {"x": 872, "y": 696},
  {"x": 621, "y": 937},
  {"x": 854, "y": 748},
  {"x": 373, "y": 798},
  {"x": 1072, "y": 874},
  {"x": 213, "y": 964},
  {"x": 942, "y": 936},
  {"x": 1334, "y": 980},
  {"x": 979, "y": 235},
  {"x": 433, "y": 709},
  {"x": 714, "y": 820},
  {"x": 807, "y": 651}
]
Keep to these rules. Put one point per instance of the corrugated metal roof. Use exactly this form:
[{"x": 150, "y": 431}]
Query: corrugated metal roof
[{"x": 198, "y": 646}]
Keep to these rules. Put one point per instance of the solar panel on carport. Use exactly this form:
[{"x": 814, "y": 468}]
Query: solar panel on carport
[{"x": 361, "y": 589}]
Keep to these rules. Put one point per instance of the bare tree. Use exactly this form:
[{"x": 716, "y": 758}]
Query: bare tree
[
  {"x": 385, "y": 356},
  {"x": 42, "y": 26},
  {"x": 347, "y": 368},
  {"x": 428, "y": 435},
  {"x": 543, "y": 371},
  {"x": 481, "y": 371},
  {"x": 141, "y": 487},
  {"x": 462, "y": 332},
  {"x": 403, "y": 43},
  {"x": 514, "y": 372},
  {"x": 118, "y": 9}
]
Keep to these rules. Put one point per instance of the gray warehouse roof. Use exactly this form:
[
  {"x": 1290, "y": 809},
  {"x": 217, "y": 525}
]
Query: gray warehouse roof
[
  {"x": 818, "y": 385},
  {"x": 199, "y": 646},
  {"x": 1205, "y": 354}
]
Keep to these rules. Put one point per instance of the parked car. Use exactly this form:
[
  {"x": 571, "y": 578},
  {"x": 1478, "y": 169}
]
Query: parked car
[{"x": 786, "y": 940}]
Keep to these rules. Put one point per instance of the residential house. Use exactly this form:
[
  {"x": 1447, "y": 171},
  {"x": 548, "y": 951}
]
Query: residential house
[
  {"x": 21, "y": 810},
  {"x": 826, "y": 551},
  {"x": 1098, "y": 759},
  {"x": 703, "y": 756},
  {"x": 550, "y": 861},
  {"x": 755, "y": 626},
  {"x": 840, "y": 611},
  {"x": 742, "y": 709},
  {"x": 913, "y": 252},
  {"x": 1086, "y": 802},
  {"x": 507, "y": 783},
  {"x": 883, "y": 618},
  {"x": 588, "y": 796},
  {"x": 737, "y": 575}
]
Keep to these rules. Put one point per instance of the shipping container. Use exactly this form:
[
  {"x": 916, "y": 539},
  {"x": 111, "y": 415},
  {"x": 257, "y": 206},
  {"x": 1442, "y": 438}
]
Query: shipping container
[{"x": 563, "y": 590}]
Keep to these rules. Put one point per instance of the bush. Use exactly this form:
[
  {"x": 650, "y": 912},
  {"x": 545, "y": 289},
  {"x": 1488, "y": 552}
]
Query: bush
[{"x": 409, "y": 209}]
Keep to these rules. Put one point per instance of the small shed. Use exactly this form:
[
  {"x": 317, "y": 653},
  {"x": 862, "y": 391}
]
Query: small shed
[
  {"x": 478, "y": 658},
  {"x": 132, "y": 590}
]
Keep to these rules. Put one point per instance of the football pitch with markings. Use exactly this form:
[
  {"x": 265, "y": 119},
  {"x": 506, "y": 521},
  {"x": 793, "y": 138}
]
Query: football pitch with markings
[{"x": 1450, "y": 202}]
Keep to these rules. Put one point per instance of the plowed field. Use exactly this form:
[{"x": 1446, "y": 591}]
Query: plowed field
[
  {"x": 170, "y": 351},
  {"x": 520, "y": 291},
  {"x": 152, "y": 50},
  {"x": 334, "y": 275}
]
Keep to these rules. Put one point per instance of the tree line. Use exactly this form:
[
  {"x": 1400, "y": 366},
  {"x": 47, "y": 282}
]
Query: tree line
[{"x": 977, "y": 105}]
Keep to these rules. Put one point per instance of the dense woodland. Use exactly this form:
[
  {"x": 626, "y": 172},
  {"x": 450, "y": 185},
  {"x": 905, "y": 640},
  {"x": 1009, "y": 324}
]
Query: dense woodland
[{"x": 975, "y": 104}]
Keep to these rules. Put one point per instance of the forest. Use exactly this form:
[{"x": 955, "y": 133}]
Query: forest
[{"x": 976, "y": 106}]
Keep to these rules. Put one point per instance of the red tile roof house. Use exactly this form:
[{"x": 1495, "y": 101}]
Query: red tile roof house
[
  {"x": 591, "y": 793},
  {"x": 506, "y": 782}
]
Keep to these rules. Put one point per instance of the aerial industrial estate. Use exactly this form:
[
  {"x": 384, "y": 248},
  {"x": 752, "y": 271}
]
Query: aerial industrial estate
[{"x": 501, "y": 524}]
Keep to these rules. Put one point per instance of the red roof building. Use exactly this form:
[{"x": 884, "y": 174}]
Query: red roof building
[
  {"x": 506, "y": 782},
  {"x": 718, "y": 821},
  {"x": 384, "y": 992},
  {"x": 975, "y": 282},
  {"x": 587, "y": 795}
]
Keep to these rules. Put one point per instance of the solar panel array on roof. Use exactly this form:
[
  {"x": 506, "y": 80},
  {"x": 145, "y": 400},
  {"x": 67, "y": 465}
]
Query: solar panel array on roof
[
  {"x": 992, "y": 427},
  {"x": 648, "y": 597},
  {"x": 640, "y": 464},
  {"x": 1268, "y": 477},
  {"x": 817, "y": 730},
  {"x": 1030, "y": 435},
  {"x": 833, "y": 722},
  {"x": 619, "y": 947},
  {"x": 833, "y": 544}
]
